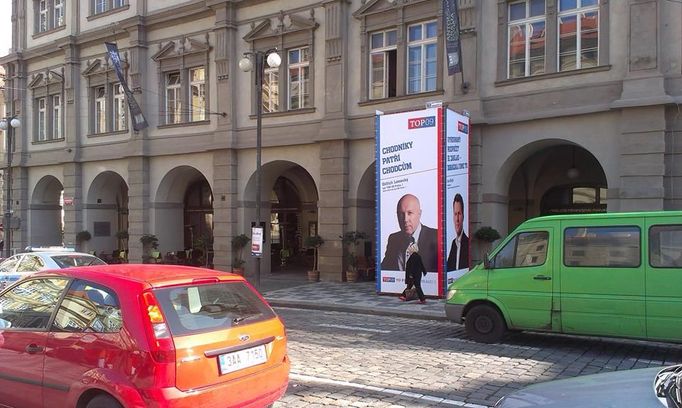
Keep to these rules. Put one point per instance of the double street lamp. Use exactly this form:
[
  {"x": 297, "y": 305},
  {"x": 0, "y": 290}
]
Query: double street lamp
[
  {"x": 255, "y": 60},
  {"x": 8, "y": 125}
]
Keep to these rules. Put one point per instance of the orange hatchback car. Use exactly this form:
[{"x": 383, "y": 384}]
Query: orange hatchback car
[{"x": 130, "y": 335}]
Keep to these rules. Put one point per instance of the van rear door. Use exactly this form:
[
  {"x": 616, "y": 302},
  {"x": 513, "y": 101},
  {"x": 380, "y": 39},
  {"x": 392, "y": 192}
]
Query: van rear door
[
  {"x": 664, "y": 279},
  {"x": 521, "y": 279},
  {"x": 602, "y": 277}
]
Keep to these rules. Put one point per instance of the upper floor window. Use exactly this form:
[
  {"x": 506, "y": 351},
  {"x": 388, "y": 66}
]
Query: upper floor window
[
  {"x": 49, "y": 14},
  {"x": 526, "y": 34},
  {"x": 299, "y": 78},
  {"x": 197, "y": 85},
  {"x": 383, "y": 61},
  {"x": 47, "y": 104},
  {"x": 422, "y": 57},
  {"x": 173, "y": 98},
  {"x": 271, "y": 90},
  {"x": 102, "y": 6},
  {"x": 100, "y": 109},
  {"x": 578, "y": 34},
  {"x": 120, "y": 109},
  {"x": 42, "y": 119},
  {"x": 56, "y": 116}
]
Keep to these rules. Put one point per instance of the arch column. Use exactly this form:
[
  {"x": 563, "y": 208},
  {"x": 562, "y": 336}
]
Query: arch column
[
  {"x": 73, "y": 214},
  {"x": 139, "y": 205},
  {"x": 225, "y": 225},
  {"x": 332, "y": 214}
]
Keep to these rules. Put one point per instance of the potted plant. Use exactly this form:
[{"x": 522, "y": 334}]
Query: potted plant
[
  {"x": 201, "y": 247},
  {"x": 487, "y": 235},
  {"x": 351, "y": 239},
  {"x": 149, "y": 242},
  {"x": 314, "y": 242},
  {"x": 239, "y": 242},
  {"x": 82, "y": 238}
]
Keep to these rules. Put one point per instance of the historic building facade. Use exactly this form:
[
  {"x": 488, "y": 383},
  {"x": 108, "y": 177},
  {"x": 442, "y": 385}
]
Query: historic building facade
[{"x": 574, "y": 107}]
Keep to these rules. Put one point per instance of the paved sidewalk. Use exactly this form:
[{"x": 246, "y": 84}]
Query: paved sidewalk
[{"x": 357, "y": 297}]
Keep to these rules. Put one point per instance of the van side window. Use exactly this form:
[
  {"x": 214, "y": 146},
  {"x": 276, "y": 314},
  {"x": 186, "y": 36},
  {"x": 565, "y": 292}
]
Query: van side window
[
  {"x": 602, "y": 246},
  {"x": 665, "y": 246},
  {"x": 88, "y": 308},
  {"x": 525, "y": 249}
]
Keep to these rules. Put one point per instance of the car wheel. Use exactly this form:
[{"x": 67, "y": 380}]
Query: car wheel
[
  {"x": 103, "y": 401},
  {"x": 485, "y": 324}
]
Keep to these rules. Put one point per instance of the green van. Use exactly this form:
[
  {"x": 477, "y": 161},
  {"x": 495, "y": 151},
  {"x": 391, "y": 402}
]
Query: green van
[{"x": 613, "y": 274}]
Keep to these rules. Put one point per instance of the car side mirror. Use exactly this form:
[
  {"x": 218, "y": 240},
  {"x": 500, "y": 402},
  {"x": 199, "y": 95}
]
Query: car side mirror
[{"x": 487, "y": 263}]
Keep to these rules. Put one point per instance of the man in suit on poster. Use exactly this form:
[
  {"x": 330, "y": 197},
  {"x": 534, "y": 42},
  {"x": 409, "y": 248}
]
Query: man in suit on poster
[
  {"x": 458, "y": 258},
  {"x": 412, "y": 231}
]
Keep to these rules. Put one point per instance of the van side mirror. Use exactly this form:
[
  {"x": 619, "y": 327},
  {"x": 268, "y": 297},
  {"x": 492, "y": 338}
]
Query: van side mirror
[{"x": 487, "y": 264}]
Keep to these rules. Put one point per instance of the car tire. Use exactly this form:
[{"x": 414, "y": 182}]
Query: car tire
[
  {"x": 485, "y": 324},
  {"x": 103, "y": 401}
]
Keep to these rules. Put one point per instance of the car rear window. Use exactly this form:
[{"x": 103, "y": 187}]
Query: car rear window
[
  {"x": 208, "y": 307},
  {"x": 67, "y": 261}
]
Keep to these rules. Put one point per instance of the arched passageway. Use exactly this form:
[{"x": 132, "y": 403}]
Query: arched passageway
[
  {"x": 106, "y": 215},
  {"x": 46, "y": 219}
]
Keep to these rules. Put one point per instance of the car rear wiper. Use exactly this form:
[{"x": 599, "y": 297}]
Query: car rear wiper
[{"x": 667, "y": 386}]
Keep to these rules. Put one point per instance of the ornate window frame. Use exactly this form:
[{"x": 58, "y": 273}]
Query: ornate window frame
[
  {"x": 46, "y": 17},
  {"x": 285, "y": 32},
  {"x": 181, "y": 56},
  {"x": 46, "y": 88},
  {"x": 100, "y": 74}
]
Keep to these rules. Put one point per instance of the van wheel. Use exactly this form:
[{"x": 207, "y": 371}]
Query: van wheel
[
  {"x": 484, "y": 324},
  {"x": 103, "y": 401}
]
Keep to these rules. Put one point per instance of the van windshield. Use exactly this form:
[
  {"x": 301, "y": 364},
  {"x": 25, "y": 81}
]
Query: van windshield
[{"x": 208, "y": 307}]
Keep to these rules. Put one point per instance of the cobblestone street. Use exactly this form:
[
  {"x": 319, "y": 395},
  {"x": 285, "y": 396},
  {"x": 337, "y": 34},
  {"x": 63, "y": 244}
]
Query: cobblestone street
[{"x": 344, "y": 359}]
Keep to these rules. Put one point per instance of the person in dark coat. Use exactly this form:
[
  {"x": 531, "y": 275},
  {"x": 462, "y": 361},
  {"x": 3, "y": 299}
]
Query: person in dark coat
[
  {"x": 409, "y": 214},
  {"x": 414, "y": 269},
  {"x": 459, "y": 249}
]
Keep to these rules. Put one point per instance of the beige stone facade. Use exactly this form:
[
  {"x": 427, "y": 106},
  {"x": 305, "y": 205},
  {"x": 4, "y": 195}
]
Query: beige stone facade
[{"x": 611, "y": 116}]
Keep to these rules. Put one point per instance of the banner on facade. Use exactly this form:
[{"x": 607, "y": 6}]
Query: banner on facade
[
  {"x": 453, "y": 46},
  {"x": 409, "y": 179},
  {"x": 456, "y": 206},
  {"x": 257, "y": 242},
  {"x": 137, "y": 118}
]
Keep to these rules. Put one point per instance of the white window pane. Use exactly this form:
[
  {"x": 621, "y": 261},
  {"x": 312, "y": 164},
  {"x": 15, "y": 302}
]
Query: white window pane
[
  {"x": 431, "y": 30},
  {"x": 517, "y": 11},
  {"x": 305, "y": 54},
  {"x": 293, "y": 57},
  {"x": 537, "y": 8},
  {"x": 415, "y": 33},
  {"x": 567, "y": 5},
  {"x": 377, "y": 40},
  {"x": 391, "y": 37},
  {"x": 587, "y": 3},
  {"x": 414, "y": 69},
  {"x": 430, "y": 67},
  {"x": 306, "y": 86},
  {"x": 377, "y": 75}
]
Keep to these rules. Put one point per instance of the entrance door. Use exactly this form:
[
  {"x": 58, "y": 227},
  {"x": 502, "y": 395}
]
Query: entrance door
[{"x": 521, "y": 279}]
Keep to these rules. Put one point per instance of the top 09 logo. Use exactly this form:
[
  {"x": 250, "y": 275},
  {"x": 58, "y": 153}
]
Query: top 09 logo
[{"x": 416, "y": 123}]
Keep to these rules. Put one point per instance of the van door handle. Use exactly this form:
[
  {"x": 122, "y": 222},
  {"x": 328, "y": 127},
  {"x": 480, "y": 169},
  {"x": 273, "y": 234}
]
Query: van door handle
[
  {"x": 33, "y": 348},
  {"x": 542, "y": 277}
]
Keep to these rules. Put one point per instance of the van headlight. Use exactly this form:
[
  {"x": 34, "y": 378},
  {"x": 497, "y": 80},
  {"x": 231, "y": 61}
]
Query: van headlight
[{"x": 450, "y": 294}]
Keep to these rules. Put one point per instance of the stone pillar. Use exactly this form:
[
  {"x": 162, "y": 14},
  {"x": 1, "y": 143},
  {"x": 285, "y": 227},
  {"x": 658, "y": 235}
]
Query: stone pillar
[
  {"x": 332, "y": 212},
  {"x": 139, "y": 205},
  {"x": 73, "y": 214},
  {"x": 224, "y": 207}
]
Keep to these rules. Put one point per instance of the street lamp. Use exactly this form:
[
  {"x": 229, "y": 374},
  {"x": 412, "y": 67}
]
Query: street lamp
[
  {"x": 246, "y": 64},
  {"x": 8, "y": 125}
]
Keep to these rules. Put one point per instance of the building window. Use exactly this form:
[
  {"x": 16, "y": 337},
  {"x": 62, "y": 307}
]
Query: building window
[
  {"x": 100, "y": 109},
  {"x": 271, "y": 90},
  {"x": 173, "y": 98},
  {"x": 299, "y": 78},
  {"x": 599, "y": 247},
  {"x": 102, "y": 6},
  {"x": 120, "y": 112},
  {"x": 382, "y": 59},
  {"x": 197, "y": 90},
  {"x": 49, "y": 15},
  {"x": 422, "y": 57},
  {"x": 56, "y": 117},
  {"x": 42, "y": 120},
  {"x": 578, "y": 22},
  {"x": 526, "y": 34}
]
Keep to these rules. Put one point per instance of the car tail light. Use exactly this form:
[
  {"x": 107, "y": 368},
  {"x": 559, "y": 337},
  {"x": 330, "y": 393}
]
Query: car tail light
[{"x": 161, "y": 342}]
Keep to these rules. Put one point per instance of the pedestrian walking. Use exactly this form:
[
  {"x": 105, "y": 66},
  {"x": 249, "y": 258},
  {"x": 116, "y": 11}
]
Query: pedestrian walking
[{"x": 414, "y": 269}]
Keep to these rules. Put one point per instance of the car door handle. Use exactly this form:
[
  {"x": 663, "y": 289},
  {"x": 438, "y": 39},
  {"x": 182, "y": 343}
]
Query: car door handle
[
  {"x": 542, "y": 277},
  {"x": 33, "y": 348}
]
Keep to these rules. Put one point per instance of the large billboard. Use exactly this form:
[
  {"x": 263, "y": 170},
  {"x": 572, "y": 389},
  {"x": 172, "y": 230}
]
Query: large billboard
[
  {"x": 457, "y": 233},
  {"x": 409, "y": 159}
]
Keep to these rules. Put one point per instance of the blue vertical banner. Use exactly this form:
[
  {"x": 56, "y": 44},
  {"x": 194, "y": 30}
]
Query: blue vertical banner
[
  {"x": 409, "y": 196},
  {"x": 138, "y": 120},
  {"x": 456, "y": 205},
  {"x": 453, "y": 46}
]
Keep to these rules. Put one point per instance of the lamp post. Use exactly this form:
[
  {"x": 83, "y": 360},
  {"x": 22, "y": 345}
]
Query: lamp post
[
  {"x": 246, "y": 64},
  {"x": 8, "y": 125}
]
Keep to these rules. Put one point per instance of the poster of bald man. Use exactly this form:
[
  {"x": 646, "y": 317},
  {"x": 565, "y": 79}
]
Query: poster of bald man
[{"x": 409, "y": 161}]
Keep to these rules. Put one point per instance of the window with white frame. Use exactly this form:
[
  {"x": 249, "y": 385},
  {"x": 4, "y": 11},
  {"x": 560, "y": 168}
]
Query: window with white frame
[
  {"x": 299, "y": 77},
  {"x": 526, "y": 34},
  {"x": 120, "y": 111},
  {"x": 49, "y": 15},
  {"x": 100, "y": 109},
  {"x": 197, "y": 91},
  {"x": 173, "y": 98},
  {"x": 56, "y": 116},
  {"x": 271, "y": 90},
  {"x": 578, "y": 25},
  {"x": 42, "y": 119},
  {"x": 383, "y": 60},
  {"x": 422, "y": 57},
  {"x": 102, "y": 6}
]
